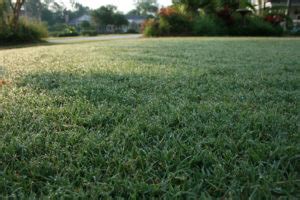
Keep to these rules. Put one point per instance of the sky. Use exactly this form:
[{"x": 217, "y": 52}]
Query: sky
[{"x": 123, "y": 5}]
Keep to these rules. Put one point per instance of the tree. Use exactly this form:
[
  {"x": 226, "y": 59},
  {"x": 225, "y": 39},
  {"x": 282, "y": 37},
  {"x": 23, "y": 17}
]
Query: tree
[
  {"x": 16, "y": 11},
  {"x": 146, "y": 7},
  {"x": 120, "y": 19},
  {"x": 78, "y": 10},
  {"x": 85, "y": 25},
  {"x": 260, "y": 5},
  {"x": 103, "y": 16},
  {"x": 191, "y": 5},
  {"x": 48, "y": 2},
  {"x": 52, "y": 12},
  {"x": 211, "y": 6},
  {"x": 133, "y": 12},
  {"x": 108, "y": 15},
  {"x": 3, "y": 10},
  {"x": 34, "y": 7}
]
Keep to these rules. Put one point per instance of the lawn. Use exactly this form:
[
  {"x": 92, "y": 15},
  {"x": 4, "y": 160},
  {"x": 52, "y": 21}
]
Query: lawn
[{"x": 151, "y": 118}]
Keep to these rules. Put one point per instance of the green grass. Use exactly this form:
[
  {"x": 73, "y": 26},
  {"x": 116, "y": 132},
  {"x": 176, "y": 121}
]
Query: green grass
[{"x": 151, "y": 118}]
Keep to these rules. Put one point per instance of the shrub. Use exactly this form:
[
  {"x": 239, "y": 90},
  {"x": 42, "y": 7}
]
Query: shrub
[
  {"x": 209, "y": 26},
  {"x": 132, "y": 30},
  {"x": 164, "y": 27},
  {"x": 85, "y": 25},
  {"x": 166, "y": 12},
  {"x": 226, "y": 15},
  {"x": 87, "y": 29},
  {"x": 255, "y": 26},
  {"x": 5, "y": 32},
  {"x": 274, "y": 19},
  {"x": 62, "y": 30},
  {"x": 69, "y": 31},
  {"x": 174, "y": 22},
  {"x": 89, "y": 32},
  {"x": 58, "y": 27},
  {"x": 276, "y": 15},
  {"x": 32, "y": 30},
  {"x": 151, "y": 28},
  {"x": 27, "y": 31}
]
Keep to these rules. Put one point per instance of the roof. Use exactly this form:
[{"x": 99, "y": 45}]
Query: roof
[
  {"x": 80, "y": 19},
  {"x": 136, "y": 18}
]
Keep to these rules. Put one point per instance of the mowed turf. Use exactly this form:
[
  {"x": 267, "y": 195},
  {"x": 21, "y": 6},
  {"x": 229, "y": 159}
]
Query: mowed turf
[{"x": 151, "y": 118}]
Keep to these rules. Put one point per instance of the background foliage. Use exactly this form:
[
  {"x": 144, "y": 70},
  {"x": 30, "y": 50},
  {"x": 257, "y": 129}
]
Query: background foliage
[{"x": 217, "y": 17}]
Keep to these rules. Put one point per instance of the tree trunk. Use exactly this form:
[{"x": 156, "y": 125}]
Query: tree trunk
[
  {"x": 289, "y": 6},
  {"x": 288, "y": 12},
  {"x": 260, "y": 7},
  {"x": 16, "y": 9}
]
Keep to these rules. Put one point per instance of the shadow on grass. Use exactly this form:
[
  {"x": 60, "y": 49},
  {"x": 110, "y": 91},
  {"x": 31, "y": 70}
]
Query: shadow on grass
[
  {"x": 110, "y": 101},
  {"x": 124, "y": 89},
  {"x": 14, "y": 45},
  {"x": 151, "y": 119},
  {"x": 4, "y": 46},
  {"x": 216, "y": 100}
]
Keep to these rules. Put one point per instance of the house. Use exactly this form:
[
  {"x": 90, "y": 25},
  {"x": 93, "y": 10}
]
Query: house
[
  {"x": 135, "y": 23},
  {"x": 294, "y": 11},
  {"x": 295, "y": 7},
  {"x": 77, "y": 21}
]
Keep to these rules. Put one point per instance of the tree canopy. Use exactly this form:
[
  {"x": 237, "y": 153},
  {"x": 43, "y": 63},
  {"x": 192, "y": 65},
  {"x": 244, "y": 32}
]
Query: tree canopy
[
  {"x": 108, "y": 15},
  {"x": 146, "y": 7},
  {"x": 210, "y": 6}
]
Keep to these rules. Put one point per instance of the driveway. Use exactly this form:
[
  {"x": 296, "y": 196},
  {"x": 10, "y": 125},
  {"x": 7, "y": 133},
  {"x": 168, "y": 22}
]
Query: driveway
[{"x": 96, "y": 38}]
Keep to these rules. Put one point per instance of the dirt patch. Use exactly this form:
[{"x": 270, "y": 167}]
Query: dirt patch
[{"x": 2, "y": 82}]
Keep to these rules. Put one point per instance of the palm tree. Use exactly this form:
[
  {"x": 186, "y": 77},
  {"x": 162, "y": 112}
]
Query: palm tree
[{"x": 261, "y": 4}]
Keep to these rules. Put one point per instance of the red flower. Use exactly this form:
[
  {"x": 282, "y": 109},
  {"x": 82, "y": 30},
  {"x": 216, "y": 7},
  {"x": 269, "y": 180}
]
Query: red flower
[{"x": 274, "y": 19}]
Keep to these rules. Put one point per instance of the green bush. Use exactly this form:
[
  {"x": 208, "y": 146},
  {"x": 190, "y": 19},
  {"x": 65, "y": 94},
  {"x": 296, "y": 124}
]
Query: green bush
[
  {"x": 151, "y": 28},
  {"x": 69, "y": 31},
  {"x": 58, "y": 27},
  {"x": 85, "y": 25},
  {"x": 174, "y": 22},
  {"x": 179, "y": 25},
  {"x": 209, "y": 26},
  {"x": 87, "y": 29},
  {"x": 131, "y": 30},
  {"x": 171, "y": 22},
  {"x": 62, "y": 30},
  {"x": 164, "y": 27},
  {"x": 31, "y": 31},
  {"x": 5, "y": 32},
  {"x": 89, "y": 32},
  {"x": 27, "y": 31},
  {"x": 254, "y": 26}
]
